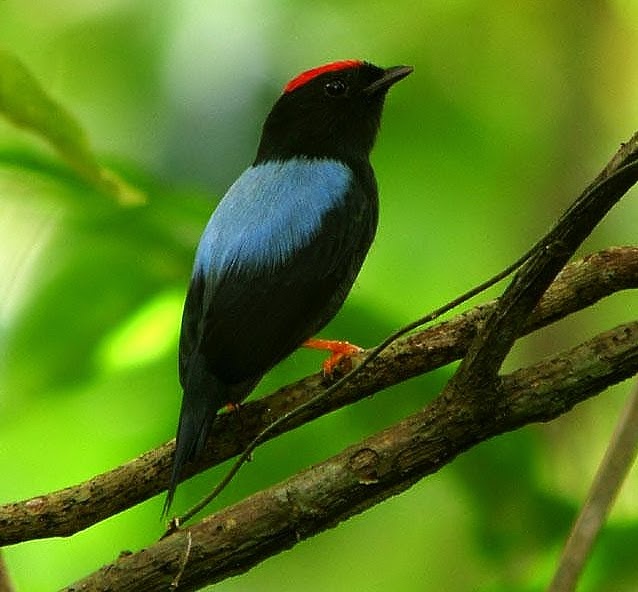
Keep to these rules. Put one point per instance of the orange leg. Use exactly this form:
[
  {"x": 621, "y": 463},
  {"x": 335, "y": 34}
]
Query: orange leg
[
  {"x": 231, "y": 407},
  {"x": 340, "y": 351},
  {"x": 235, "y": 409}
]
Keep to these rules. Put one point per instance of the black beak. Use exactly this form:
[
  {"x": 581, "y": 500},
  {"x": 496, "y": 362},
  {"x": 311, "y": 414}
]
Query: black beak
[{"x": 390, "y": 76}]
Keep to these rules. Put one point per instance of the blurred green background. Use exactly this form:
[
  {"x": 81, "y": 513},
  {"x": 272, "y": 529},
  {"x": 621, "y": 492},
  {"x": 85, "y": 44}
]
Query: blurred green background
[{"x": 512, "y": 109}]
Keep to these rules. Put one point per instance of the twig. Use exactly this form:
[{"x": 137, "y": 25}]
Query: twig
[
  {"x": 182, "y": 567},
  {"x": 609, "y": 478},
  {"x": 5, "y": 580}
]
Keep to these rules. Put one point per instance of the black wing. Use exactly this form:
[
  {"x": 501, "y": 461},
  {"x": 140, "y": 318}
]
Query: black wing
[{"x": 247, "y": 319}]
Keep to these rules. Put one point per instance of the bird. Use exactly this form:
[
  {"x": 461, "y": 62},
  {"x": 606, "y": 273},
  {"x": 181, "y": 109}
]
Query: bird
[{"x": 282, "y": 249}]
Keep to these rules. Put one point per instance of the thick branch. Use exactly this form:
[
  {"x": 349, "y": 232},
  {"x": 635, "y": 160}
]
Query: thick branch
[
  {"x": 387, "y": 463},
  {"x": 72, "y": 509}
]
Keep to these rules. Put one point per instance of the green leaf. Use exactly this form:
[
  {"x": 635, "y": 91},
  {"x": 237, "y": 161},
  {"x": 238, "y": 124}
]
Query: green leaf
[{"x": 25, "y": 103}]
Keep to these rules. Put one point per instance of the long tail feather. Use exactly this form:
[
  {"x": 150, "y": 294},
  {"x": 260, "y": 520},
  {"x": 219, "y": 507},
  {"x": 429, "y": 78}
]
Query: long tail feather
[{"x": 203, "y": 396}]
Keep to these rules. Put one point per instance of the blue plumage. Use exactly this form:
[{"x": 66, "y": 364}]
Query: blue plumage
[
  {"x": 285, "y": 244},
  {"x": 271, "y": 211}
]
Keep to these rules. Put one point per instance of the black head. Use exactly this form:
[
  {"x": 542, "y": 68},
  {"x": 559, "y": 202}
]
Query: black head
[{"x": 330, "y": 111}]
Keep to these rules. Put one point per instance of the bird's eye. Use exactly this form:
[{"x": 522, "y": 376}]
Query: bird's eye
[{"x": 335, "y": 87}]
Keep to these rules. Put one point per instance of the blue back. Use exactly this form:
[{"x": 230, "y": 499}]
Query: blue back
[{"x": 271, "y": 211}]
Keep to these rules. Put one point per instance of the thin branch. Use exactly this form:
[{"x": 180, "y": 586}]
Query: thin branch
[
  {"x": 72, "y": 509},
  {"x": 275, "y": 519},
  {"x": 5, "y": 580},
  {"x": 611, "y": 474}
]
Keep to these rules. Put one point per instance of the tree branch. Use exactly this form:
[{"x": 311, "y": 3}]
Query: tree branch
[
  {"x": 275, "y": 519},
  {"x": 72, "y": 509},
  {"x": 478, "y": 372},
  {"x": 479, "y": 369},
  {"x": 475, "y": 405}
]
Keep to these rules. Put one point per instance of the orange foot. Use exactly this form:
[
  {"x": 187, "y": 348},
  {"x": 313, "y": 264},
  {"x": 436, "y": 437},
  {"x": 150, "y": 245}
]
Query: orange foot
[
  {"x": 231, "y": 407},
  {"x": 340, "y": 352}
]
